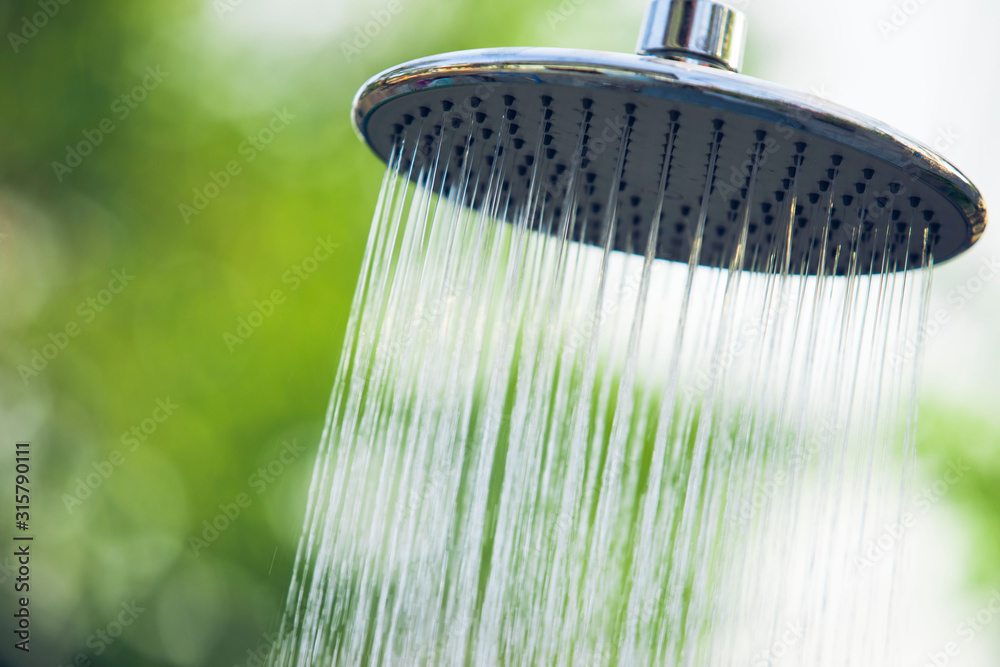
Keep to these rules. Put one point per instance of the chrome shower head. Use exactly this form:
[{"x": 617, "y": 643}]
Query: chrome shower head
[{"x": 676, "y": 138}]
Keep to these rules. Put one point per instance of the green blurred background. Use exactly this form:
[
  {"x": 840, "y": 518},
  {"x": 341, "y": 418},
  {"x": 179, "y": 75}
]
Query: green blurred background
[{"x": 179, "y": 254}]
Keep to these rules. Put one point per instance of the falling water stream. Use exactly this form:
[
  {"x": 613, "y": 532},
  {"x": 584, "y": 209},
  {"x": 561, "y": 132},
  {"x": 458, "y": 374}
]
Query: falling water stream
[{"x": 542, "y": 451}]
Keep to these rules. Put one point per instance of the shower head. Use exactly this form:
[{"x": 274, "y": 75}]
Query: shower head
[{"x": 677, "y": 138}]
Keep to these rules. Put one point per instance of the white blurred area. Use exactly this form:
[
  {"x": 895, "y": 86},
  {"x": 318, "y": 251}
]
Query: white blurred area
[{"x": 280, "y": 24}]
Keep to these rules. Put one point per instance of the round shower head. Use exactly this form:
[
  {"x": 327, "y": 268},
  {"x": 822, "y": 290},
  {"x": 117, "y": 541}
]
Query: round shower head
[{"x": 621, "y": 142}]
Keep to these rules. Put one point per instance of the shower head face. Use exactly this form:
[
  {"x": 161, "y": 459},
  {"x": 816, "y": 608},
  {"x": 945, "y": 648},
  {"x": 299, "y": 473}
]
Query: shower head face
[{"x": 587, "y": 136}]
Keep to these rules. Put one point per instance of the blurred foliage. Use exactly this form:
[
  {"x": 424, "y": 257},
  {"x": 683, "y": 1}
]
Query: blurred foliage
[
  {"x": 228, "y": 67},
  {"x": 948, "y": 434}
]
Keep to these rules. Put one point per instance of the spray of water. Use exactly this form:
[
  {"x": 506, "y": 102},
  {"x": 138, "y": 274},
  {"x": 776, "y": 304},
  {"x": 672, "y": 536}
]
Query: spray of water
[{"x": 541, "y": 451}]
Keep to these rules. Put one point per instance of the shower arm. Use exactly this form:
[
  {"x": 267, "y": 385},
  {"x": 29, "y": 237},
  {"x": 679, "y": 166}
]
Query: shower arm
[{"x": 704, "y": 32}]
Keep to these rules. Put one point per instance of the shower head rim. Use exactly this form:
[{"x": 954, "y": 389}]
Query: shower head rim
[{"x": 656, "y": 77}]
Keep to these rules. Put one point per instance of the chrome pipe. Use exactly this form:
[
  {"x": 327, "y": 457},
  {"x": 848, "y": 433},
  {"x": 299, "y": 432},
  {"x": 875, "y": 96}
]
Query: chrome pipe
[{"x": 699, "y": 31}]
